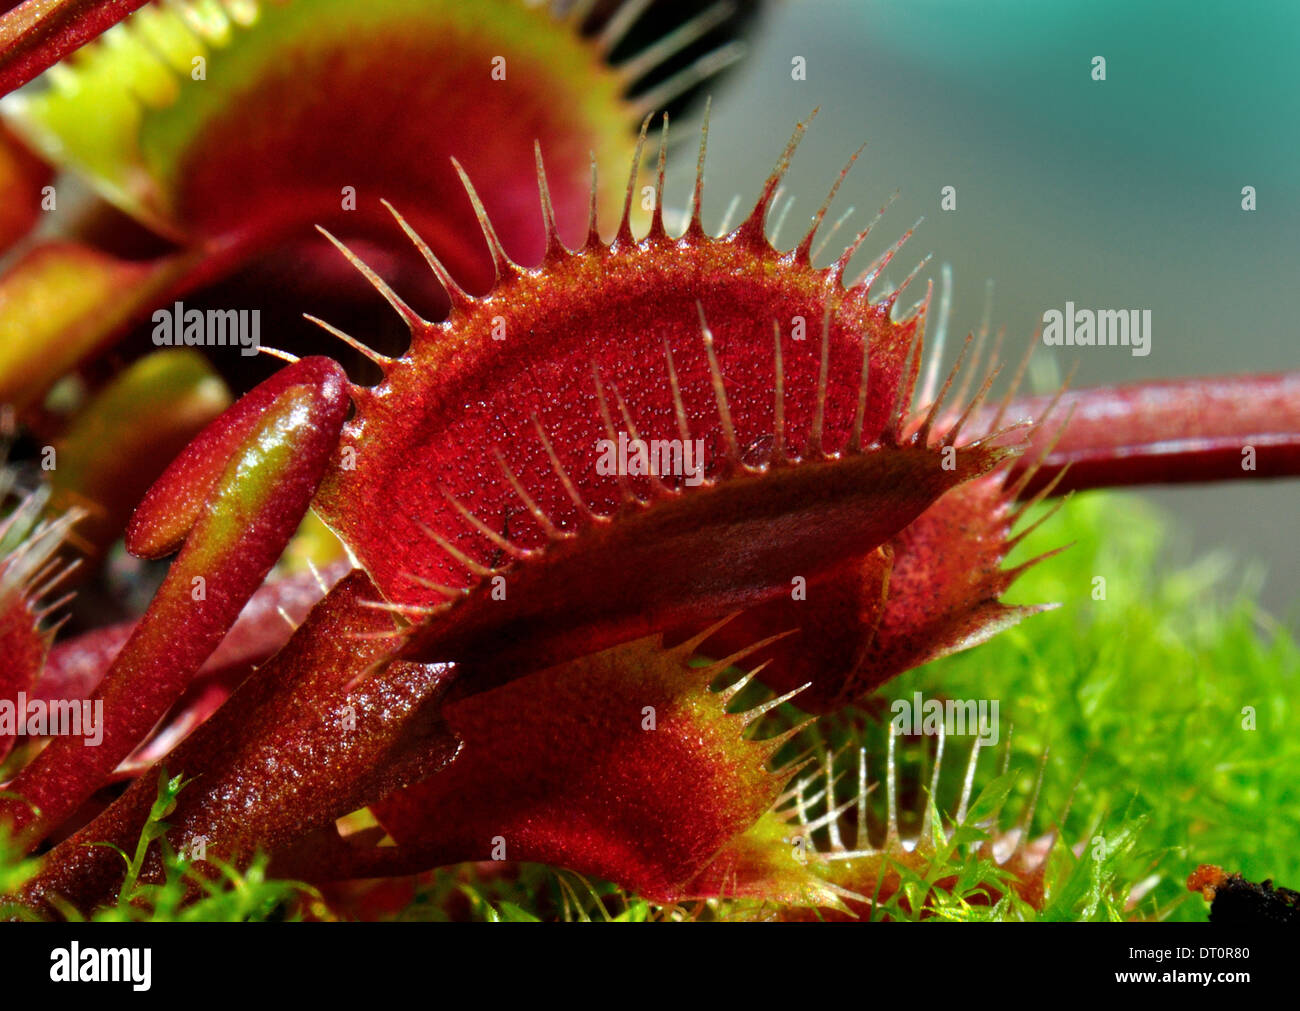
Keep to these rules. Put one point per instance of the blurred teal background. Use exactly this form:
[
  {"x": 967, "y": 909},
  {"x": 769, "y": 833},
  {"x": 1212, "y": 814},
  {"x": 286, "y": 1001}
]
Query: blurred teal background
[{"x": 1117, "y": 194}]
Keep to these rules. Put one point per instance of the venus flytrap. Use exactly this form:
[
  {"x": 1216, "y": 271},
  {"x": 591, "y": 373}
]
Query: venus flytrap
[
  {"x": 211, "y": 199},
  {"x": 431, "y": 583},
  {"x": 530, "y": 634}
]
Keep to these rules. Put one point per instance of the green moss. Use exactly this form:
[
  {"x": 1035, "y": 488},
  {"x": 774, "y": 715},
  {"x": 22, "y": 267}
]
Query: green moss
[
  {"x": 1146, "y": 697},
  {"x": 231, "y": 896}
]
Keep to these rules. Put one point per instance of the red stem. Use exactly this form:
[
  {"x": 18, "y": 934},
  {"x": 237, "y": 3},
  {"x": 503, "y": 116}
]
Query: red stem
[
  {"x": 1168, "y": 432},
  {"x": 37, "y": 34}
]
